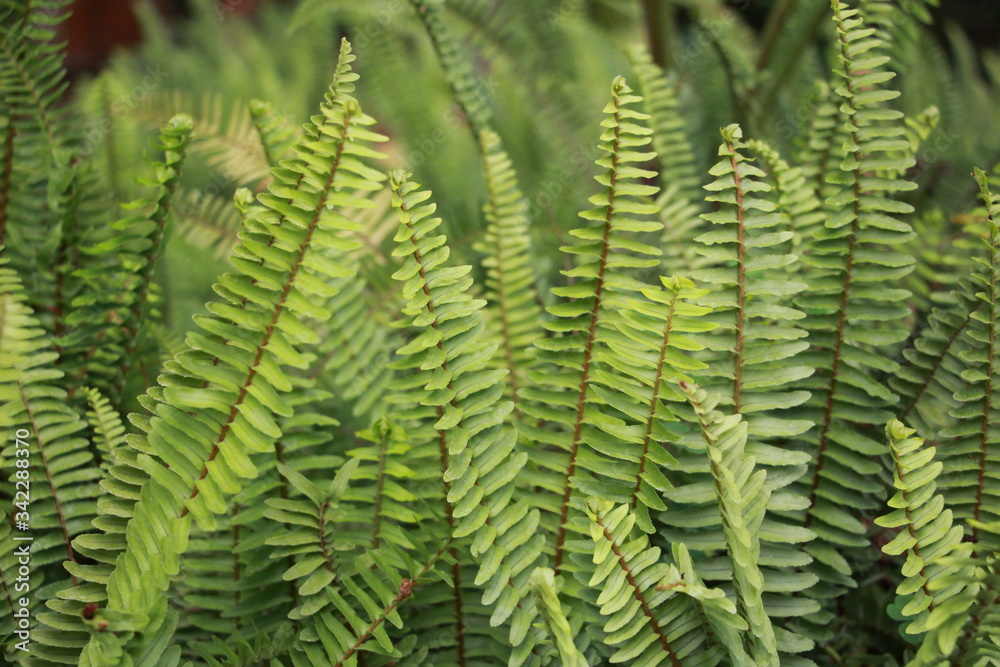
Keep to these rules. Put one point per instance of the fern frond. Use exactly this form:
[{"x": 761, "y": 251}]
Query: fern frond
[
  {"x": 207, "y": 221},
  {"x": 720, "y": 615},
  {"x": 961, "y": 629},
  {"x": 214, "y": 407},
  {"x": 114, "y": 311},
  {"x": 680, "y": 202},
  {"x": 606, "y": 252},
  {"x": 819, "y": 152},
  {"x": 927, "y": 533},
  {"x": 721, "y": 510},
  {"x": 543, "y": 585},
  {"x": 648, "y": 625},
  {"x": 276, "y": 134},
  {"x": 58, "y": 478},
  {"x": 109, "y": 432},
  {"x": 931, "y": 374},
  {"x": 969, "y": 447},
  {"x": 512, "y": 310},
  {"x": 468, "y": 90},
  {"x": 796, "y": 200},
  {"x": 638, "y": 374},
  {"x": 478, "y": 453},
  {"x": 854, "y": 307},
  {"x": 748, "y": 257}
]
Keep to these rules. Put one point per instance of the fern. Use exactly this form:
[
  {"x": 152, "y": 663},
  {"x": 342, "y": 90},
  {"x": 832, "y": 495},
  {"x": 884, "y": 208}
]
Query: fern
[
  {"x": 853, "y": 309},
  {"x": 513, "y": 312},
  {"x": 479, "y": 462},
  {"x": 647, "y": 623},
  {"x": 928, "y": 534},
  {"x": 59, "y": 481},
  {"x": 117, "y": 307},
  {"x": 605, "y": 252},
  {"x": 972, "y": 435},
  {"x": 680, "y": 201},
  {"x": 642, "y": 366},
  {"x": 240, "y": 385}
]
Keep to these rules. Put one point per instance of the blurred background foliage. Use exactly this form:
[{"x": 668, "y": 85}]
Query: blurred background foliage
[{"x": 538, "y": 71}]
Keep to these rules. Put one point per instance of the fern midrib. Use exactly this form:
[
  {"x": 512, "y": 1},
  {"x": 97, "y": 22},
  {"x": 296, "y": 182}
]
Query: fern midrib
[
  {"x": 589, "y": 347},
  {"x": 321, "y": 537},
  {"x": 379, "y": 481},
  {"x": 740, "y": 279},
  {"x": 279, "y": 307},
  {"x": 48, "y": 476},
  {"x": 842, "y": 315},
  {"x": 654, "y": 401},
  {"x": 988, "y": 398},
  {"x": 657, "y": 630}
]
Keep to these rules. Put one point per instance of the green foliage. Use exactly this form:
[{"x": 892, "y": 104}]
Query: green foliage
[{"x": 462, "y": 429}]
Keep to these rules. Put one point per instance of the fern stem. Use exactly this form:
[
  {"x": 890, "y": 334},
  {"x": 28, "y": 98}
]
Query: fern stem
[
  {"x": 278, "y": 308},
  {"x": 990, "y": 361},
  {"x": 321, "y": 535},
  {"x": 740, "y": 280},
  {"x": 456, "y": 574},
  {"x": 48, "y": 476},
  {"x": 379, "y": 482},
  {"x": 659, "y": 28},
  {"x": 660, "y": 635},
  {"x": 776, "y": 20},
  {"x": 591, "y": 333}
]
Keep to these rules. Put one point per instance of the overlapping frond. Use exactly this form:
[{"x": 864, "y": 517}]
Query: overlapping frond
[
  {"x": 970, "y": 444},
  {"x": 469, "y": 91},
  {"x": 648, "y": 624},
  {"x": 51, "y": 467},
  {"x": 512, "y": 310},
  {"x": 796, "y": 200},
  {"x": 478, "y": 455},
  {"x": 637, "y": 378},
  {"x": 114, "y": 310},
  {"x": 756, "y": 361},
  {"x": 215, "y": 404},
  {"x": 680, "y": 201},
  {"x": 927, "y": 533},
  {"x": 606, "y": 253},
  {"x": 854, "y": 308}
]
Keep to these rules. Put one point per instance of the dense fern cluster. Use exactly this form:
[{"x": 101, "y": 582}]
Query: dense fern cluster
[{"x": 747, "y": 414}]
